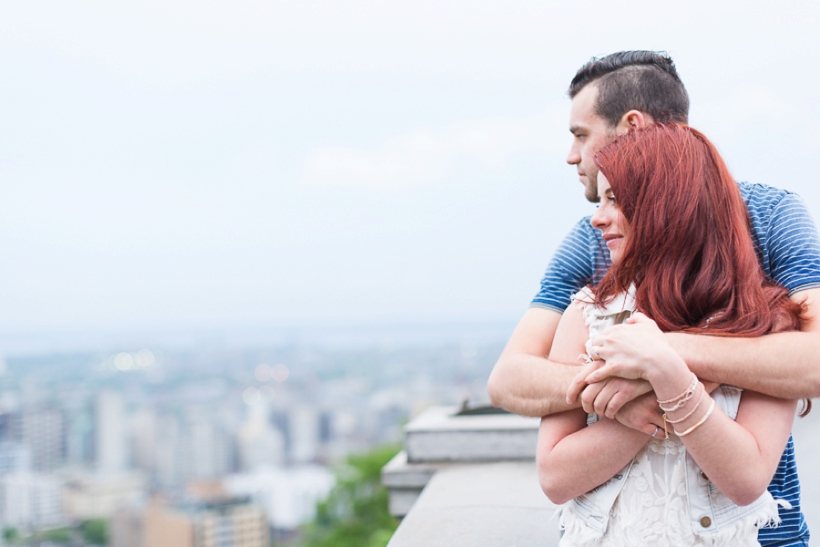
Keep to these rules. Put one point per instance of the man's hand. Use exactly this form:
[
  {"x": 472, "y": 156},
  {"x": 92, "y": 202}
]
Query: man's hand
[
  {"x": 606, "y": 398},
  {"x": 579, "y": 382},
  {"x": 643, "y": 414},
  {"x": 523, "y": 381}
]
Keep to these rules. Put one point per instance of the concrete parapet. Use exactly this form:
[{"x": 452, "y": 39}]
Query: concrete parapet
[
  {"x": 405, "y": 481},
  {"x": 469, "y": 480},
  {"x": 440, "y": 434},
  {"x": 481, "y": 505}
]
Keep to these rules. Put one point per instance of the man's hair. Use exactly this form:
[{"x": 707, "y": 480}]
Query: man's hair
[{"x": 646, "y": 81}]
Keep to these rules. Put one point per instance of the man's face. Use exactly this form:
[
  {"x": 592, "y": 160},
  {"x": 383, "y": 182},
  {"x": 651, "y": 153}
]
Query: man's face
[{"x": 590, "y": 133}]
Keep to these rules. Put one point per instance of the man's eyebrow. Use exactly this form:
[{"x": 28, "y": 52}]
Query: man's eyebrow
[{"x": 575, "y": 129}]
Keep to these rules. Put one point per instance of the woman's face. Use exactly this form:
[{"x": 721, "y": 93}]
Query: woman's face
[{"x": 610, "y": 221}]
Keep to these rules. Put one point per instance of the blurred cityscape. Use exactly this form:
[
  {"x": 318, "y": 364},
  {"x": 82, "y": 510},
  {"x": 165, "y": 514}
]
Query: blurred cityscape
[{"x": 220, "y": 444}]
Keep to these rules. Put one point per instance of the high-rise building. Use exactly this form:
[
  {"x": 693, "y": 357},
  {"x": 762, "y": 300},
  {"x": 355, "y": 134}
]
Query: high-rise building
[
  {"x": 304, "y": 428},
  {"x": 288, "y": 494},
  {"x": 78, "y": 428},
  {"x": 144, "y": 439},
  {"x": 40, "y": 430},
  {"x": 30, "y": 500},
  {"x": 14, "y": 456},
  {"x": 190, "y": 446},
  {"x": 127, "y": 526},
  {"x": 223, "y": 523},
  {"x": 110, "y": 433},
  {"x": 259, "y": 443},
  {"x": 88, "y": 496}
]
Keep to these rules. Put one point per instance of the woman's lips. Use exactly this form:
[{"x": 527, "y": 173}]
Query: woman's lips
[{"x": 612, "y": 239}]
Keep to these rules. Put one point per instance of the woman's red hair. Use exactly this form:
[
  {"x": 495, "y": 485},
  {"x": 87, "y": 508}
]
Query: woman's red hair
[{"x": 688, "y": 249}]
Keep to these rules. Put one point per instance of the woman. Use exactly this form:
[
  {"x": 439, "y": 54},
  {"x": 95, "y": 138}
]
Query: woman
[{"x": 683, "y": 260}]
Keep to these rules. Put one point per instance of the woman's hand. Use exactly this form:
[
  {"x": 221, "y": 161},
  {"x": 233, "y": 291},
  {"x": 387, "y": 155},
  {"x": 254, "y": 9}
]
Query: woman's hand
[{"x": 634, "y": 350}]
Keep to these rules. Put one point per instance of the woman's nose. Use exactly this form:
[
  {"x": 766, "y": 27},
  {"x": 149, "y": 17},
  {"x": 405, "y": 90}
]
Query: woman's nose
[{"x": 599, "y": 219}]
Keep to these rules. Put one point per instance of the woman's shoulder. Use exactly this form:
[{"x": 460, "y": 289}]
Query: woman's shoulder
[{"x": 585, "y": 299}]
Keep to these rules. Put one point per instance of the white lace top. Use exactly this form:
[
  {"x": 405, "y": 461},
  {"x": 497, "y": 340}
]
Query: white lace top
[{"x": 652, "y": 508}]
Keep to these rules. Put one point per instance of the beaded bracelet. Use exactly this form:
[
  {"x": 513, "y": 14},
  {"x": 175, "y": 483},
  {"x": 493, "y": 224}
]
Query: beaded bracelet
[
  {"x": 681, "y": 399},
  {"x": 697, "y": 425},
  {"x": 700, "y": 399}
]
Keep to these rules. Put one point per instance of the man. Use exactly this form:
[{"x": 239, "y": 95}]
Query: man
[{"x": 611, "y": 96}]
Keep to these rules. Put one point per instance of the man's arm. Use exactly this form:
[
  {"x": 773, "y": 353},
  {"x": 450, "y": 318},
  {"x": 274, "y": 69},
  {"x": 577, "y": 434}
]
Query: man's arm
[
  {"x": 784, "y": 365},
  {"x": 523, "y": 380}
]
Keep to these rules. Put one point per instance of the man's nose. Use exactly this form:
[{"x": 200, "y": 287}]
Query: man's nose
[{"x": 574, "y": 156}]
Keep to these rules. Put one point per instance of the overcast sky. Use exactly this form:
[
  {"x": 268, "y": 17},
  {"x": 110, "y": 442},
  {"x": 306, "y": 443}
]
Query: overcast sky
[{"x": 169, "y": 164}]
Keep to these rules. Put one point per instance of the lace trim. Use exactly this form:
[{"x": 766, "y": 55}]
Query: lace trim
[{"x": 742, "y": 533}]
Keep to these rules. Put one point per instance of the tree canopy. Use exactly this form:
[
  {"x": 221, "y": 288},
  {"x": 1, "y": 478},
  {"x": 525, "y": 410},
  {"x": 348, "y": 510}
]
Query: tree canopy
[{"x": 355, "y": 514}]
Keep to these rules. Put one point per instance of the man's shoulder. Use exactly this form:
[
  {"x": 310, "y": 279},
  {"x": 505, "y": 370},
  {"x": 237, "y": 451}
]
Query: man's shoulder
[
  {"x": 582, "y": 231},
  {"x": 762, "y": 195},
  {"x": 770, "y": 204},
  {"x": 584, "y": 225}
]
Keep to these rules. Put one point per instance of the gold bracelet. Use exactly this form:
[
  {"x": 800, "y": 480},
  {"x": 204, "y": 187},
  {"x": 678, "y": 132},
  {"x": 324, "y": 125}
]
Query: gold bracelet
[
  {"x": 697, "y": 425},
  {"x": 694, "y": 408}
]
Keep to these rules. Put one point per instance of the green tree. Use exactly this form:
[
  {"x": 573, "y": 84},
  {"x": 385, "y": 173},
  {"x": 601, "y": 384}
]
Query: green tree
[
  {"x": 355, "y": 513},
  {"x": 95, "y": 531},
  {"x": 56, "y": 535},
  {"x": 11, "y": 534}
]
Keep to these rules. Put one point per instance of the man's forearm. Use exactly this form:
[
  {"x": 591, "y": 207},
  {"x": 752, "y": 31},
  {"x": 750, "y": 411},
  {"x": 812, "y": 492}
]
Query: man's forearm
[
  {"x": 530, "y": 385},
  {"x": 784, "y": 365}
]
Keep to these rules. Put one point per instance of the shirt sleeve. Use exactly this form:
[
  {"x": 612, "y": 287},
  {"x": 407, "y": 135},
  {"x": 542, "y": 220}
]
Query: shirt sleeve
[
  {"x": 794, "y": 246},
  {"x": 571, "y": 268}
]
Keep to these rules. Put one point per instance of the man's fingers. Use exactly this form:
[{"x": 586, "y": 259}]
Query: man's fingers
[
  {"x": 615, "y": 393},
  {"x": 616, "y": 402},
  {"x": 600, "y": 374},
  {"x": 642, "y": 414},
  {"x": 579, "y": 382},
  {"x": 590, "y": 395},
  {"x": 603, "y": 396},
  {"x": 575, "y": 387}
]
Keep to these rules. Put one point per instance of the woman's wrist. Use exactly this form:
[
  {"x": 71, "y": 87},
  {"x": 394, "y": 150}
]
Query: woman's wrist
[{"x": 670, "y": 380}]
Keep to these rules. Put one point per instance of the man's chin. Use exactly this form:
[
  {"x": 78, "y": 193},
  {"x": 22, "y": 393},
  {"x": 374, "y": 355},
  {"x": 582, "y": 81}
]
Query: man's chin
[{"x": 591, "y": 195}]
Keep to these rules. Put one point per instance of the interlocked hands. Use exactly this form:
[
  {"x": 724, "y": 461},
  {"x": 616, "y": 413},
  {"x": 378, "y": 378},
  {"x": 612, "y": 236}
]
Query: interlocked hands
[{"x": 617, "y": 386}]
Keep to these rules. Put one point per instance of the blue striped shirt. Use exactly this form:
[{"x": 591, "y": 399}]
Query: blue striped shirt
[{"x": 788, "y": 248}]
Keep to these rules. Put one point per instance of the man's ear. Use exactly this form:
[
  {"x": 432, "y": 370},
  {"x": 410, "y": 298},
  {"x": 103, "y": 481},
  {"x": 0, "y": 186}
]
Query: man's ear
[{"x": 634, "y": 119}]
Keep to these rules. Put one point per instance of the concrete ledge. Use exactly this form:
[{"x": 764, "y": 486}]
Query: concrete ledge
[
  {"x": 398, "y": 473},
  {"x": 481, "y": 505},
  {"x": 439, "y": 435},
  {"x": 401, "y": 500},
  {"x": 405, "y": 482}
]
